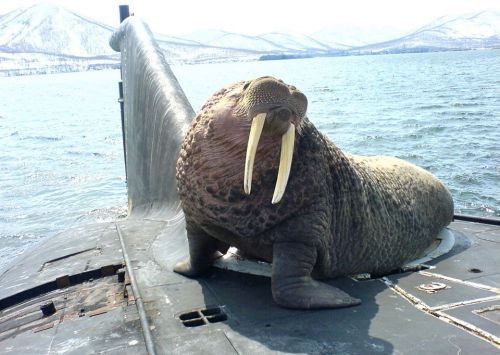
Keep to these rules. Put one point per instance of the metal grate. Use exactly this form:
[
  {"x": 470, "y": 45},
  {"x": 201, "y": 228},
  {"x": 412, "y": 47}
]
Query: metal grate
[{"x": 199, "y": 317}]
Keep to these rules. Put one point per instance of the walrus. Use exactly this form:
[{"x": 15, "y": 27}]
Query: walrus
[{"x": 254, "y": 173}]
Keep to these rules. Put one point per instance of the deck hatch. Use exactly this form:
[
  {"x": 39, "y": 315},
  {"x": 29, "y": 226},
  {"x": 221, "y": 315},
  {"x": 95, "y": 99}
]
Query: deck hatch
[{"x": 199, "y": 317}]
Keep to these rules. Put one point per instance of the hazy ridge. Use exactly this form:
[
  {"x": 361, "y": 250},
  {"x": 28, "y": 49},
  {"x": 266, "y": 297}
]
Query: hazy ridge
[{"x": 47, "y": 38}]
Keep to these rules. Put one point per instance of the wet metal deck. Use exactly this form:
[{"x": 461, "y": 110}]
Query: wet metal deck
[{"x": 395, "y": 316}]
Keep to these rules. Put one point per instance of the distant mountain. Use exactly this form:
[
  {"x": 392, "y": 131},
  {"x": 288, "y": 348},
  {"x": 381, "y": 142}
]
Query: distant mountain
[
  {"x": 481, "y": 30},
  {"x": 268, "y": 42},
  {"x": 240, "y": 41},
  {"x": 297, "y": 42},
  {"x": 46, "y": 38},
  {"x": 46, "y": 28},
  {"x": 348, "y": 36}
]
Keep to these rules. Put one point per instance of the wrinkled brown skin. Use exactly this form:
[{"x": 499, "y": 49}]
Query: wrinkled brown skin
[{"x": 340, "y": 214}]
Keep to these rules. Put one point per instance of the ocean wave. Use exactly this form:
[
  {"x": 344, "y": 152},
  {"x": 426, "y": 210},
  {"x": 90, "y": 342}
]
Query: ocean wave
[
  {"x": 465, "y": 115},
  {"x": 430, "y": 107},
  {"x": 431, "y": 129},
  {"x": 466, "y": 179},
  {"x": 43, "y": 138},
  {"x": 411, "y": 157},
  {"x": 373, "y": 137},
  {"x": 113, "y": 140},
  {"x": 322, "y": 89},
  {"x": 413, "y": 136},
  {"x": 466, "y": 104},
  {"x": 107, "y": 214},
  {"x": 4, "y": 237},
  {"x": 475, "y": 208},
  {"x": 85, "y": 154}
]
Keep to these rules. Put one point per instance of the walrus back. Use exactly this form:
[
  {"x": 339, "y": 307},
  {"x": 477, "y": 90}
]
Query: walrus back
[{"x": 404, "y": 209}]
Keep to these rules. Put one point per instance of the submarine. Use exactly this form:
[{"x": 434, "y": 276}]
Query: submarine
[{"x": 110, "y": 287}]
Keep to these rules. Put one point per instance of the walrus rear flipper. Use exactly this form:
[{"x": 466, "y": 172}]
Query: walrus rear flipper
[{"x": 293, "y": 286}]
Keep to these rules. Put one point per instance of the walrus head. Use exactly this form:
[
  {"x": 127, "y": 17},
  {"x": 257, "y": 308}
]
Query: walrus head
[
  {"x": 241, "y": 124},
  {"x": 275, "y": 109}
]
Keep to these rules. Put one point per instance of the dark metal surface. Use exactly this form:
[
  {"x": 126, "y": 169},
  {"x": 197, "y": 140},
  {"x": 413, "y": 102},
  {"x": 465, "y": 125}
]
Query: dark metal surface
[
  {"x": 137, "y": 295},
  {"x": 122, "y": 116},
  {"x": 124, "y": 12},
  {"x": 476, "y": 219},
  {"x": 68, "y": 258},
  {"x": 395, "y": 317},
  {"x": 93, "y": 313}
]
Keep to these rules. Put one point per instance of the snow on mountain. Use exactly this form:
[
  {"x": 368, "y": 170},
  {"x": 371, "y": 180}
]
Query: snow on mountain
[
  {"x": 191, "y": 54},
  {"x": 240, "y": 41},
  {"x": 204, "y": 36},
  {"x": 46, "y": 28},
  {"x": 48, "y": 38},
  {"x": 482, "y": 25},
  {"x": 296, "y": 42},
  {"x": 223, "y": 39},
  {"x": 347, "y": 36},
  {"x": 41, "y": 63},
  {"x": 481, "y": 30},
  {"x": 267, "y": 42}
]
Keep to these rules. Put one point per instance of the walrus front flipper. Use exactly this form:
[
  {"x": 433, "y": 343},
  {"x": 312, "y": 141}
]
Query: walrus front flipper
[
  {"x": 203, "y": 250},
  {"x": 292, "y": 284}
]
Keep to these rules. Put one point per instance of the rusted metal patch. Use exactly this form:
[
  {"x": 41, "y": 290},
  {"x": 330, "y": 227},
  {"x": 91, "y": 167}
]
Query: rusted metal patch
[
  {"x": 44, "y": 327},
  {"x": 99, "y": 311},
  {"x": 129, "y": 293},
  {"x": 87, "y": 299}
]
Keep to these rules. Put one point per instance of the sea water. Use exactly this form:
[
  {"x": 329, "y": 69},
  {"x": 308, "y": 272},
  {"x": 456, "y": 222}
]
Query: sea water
[{"x": 61, "y": 156}]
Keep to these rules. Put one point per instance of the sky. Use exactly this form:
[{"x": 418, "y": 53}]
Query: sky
[{"x": 261, "y": 16}]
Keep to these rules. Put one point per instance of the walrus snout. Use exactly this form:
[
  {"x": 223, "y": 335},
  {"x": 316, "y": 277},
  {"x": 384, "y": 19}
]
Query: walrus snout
[
  {"x": 277, "y": 121},
  {"x": 280, "y": 114},
  {"x": 267, "y": 94}
]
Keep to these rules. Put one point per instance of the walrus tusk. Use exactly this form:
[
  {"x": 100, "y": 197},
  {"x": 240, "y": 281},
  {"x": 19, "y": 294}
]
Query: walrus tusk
[
  {"x": 287, "y": 144},
  {"x": 253, "y": 142}
]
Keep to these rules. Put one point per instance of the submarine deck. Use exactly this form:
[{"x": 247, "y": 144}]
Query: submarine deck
[{"x": 451, "y": 307}]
